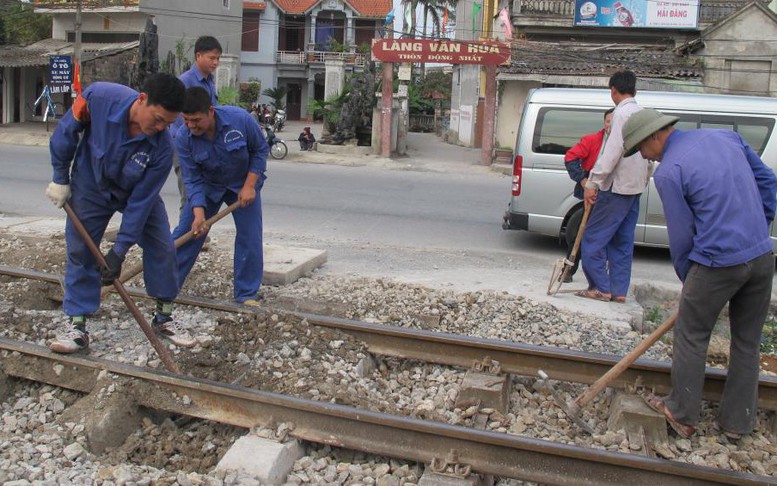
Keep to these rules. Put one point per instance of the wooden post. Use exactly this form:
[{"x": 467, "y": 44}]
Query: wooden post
[
  {"x": 386, "y": 109},
  {"x": 489, "y": 115}
]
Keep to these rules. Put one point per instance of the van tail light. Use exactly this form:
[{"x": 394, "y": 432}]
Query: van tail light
[{"x": 517, "y": 174}]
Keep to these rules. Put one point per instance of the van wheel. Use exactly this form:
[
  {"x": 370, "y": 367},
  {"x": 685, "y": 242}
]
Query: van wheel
[{"x": 573, "y": 224}]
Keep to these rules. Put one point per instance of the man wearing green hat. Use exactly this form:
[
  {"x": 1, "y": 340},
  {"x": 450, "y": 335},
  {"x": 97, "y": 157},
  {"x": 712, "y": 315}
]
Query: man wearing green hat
[{"x": 719, "y": 200}]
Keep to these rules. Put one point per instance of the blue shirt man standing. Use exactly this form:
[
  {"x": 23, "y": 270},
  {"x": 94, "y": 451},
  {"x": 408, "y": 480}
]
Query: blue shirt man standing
[
  {"x": 112, "y": 152},
  {"x": 719, "y": 200},
  {"x": 207, "y": 55},
  {"x": 223, "y": 159}
]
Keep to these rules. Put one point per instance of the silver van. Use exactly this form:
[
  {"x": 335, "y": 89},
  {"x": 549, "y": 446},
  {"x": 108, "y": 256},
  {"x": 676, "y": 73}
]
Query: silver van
[{"x": 554, "y": 119}]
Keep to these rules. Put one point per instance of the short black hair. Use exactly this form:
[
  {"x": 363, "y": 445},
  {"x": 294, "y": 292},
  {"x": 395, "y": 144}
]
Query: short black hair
[
  {"x": 624, "y": 82},
  {"x": 207, "y": 43},
  {"x": 197, "y": 100},
  {"x": 165, "y": 90},
  {"x": 608, "y": 112}
]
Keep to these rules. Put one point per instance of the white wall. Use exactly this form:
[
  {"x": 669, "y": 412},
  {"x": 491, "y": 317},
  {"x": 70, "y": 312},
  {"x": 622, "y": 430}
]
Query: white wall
[
  {"x": 261, "y": 64},
  {"x": 740, "y": 57},
  {"x": 191, "y": 19},
  {"x": 95, "y": 22},
  {"x": 509, "y": 109}
]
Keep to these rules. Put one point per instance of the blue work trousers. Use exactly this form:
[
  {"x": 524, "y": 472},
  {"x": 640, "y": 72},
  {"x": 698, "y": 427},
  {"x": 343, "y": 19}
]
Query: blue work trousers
[
  {"x": 609, "y": 242},
  {"x": 249, "y": 255},
  {"x": 82, "y": 274}
]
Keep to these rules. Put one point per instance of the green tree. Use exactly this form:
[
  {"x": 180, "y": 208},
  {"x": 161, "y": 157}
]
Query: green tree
[
  {"x": 278, "y": 95},
  {"x": 20, "y": 25},
  {"x": 424, "y": 94}
]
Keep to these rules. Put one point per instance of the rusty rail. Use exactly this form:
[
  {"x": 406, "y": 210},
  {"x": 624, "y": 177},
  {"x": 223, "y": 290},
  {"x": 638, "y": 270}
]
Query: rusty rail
[
  {"x": 456, "y": 350},
  {"x": 412, "y": 439}
]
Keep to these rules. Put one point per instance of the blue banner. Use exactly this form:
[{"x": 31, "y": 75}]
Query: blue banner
[
  {"x": 680, "y": 14},
  {"x": 60, "y": 74}
]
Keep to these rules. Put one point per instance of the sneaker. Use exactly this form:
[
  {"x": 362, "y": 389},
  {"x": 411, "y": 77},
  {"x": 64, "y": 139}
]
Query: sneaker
[
  {"x": 70, "y": 342},
  {"x": 252, "y": 302},
  {"x": 175, "y": 332}
]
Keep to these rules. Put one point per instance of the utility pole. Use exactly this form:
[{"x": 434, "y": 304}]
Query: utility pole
[{"x": 77, "y": 46}]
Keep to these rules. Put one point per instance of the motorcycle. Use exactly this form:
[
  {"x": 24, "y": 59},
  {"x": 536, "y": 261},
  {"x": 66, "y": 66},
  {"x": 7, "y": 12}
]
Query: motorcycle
[
  {"x": 278, "y": 149},
  {"x": 280, "y": 120}
]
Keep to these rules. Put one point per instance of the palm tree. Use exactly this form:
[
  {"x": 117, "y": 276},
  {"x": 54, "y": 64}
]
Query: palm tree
[
  {"x": 278, "y": 95},
  {"x": 434, "y": 10}
]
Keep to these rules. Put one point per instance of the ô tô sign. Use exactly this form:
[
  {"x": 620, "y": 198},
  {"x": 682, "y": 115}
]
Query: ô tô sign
[{"x": 487, "y": 53}]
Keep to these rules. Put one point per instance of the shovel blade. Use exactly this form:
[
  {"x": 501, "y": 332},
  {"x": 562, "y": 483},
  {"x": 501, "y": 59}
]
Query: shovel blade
[{"x": 560, "y": 270}]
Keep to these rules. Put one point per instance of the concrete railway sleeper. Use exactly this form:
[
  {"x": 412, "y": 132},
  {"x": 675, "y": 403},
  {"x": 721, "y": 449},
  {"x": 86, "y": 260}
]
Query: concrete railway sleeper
[
  {"x": 423, "y": 441},
  {"x": 462, "y": 351}
]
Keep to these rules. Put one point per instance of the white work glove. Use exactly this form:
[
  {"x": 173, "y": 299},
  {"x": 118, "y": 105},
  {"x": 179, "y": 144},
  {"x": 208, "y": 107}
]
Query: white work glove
[{"x": 58, "y": 193}]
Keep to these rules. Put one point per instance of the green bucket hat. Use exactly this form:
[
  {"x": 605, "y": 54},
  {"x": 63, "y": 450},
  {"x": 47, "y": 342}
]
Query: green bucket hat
[{"x": 641, "y": 125}]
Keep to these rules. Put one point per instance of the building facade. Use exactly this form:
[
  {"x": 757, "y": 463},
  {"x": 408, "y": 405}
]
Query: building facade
[
  {"x": 286, "y": 43},
  {"x": 731, "y": 49}
]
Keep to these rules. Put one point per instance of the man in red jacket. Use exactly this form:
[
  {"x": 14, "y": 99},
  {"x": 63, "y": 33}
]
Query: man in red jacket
[{"x": 578, "y": 161}]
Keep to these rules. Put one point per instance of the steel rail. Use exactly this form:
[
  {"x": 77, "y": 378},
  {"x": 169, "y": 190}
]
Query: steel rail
[
  {"x": 375, "y": 433},
  {"x": 463, "y": 351}
]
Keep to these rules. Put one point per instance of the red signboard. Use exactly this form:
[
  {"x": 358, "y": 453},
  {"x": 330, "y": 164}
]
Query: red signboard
[{"x": 488, "y": 53}]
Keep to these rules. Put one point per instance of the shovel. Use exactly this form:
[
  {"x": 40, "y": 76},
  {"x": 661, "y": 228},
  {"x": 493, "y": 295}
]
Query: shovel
[
  {"x": 161, "y": 350},
  {"x": 130, "y": 273},
  {"x": 563, "y": 266},
  {"x": 572, "y": 407}
]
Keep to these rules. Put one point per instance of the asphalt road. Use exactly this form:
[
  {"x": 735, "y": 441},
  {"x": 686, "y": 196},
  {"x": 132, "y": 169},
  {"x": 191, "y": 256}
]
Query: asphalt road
[{"x": 431, "y": 228}]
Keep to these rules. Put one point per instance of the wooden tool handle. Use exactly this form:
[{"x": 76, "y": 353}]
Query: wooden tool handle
[
  {"x": 625, "y": 362},
  {"x": 131, "y": 272},
  {"x": 579, "y": 237},
  {"x": 161, "y": 350}
]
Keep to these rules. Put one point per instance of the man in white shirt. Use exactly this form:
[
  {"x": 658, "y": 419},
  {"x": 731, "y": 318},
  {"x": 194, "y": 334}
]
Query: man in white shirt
[{"x": 614, "y": 188}]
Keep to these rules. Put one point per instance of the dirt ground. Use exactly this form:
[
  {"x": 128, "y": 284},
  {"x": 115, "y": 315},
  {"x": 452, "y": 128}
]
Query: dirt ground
[{"x": 247, "y": 350}]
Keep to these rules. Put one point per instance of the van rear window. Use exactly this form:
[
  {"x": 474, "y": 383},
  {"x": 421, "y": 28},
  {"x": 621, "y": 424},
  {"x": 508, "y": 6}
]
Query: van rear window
[{"x": 559, "y": 129}]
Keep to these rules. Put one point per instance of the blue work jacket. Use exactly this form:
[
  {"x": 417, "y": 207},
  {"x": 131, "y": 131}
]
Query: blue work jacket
[
  {"x": 719, "y": 199},
  {"x": 210, "y": 167},
  {"x": 193, "y": 78},
  {"x": 128, "y": 172}
]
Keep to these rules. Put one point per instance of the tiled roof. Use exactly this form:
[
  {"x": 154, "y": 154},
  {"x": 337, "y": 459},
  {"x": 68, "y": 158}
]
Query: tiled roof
[
  {"x": 254, "y": 6},
  {"x": 18, "y": 56},
  {"x": 295, "y": 6},
  {"x": 365, "y": 8},
  {"x": 372, "y": 8},
  {"x": 593, "y": 60}
]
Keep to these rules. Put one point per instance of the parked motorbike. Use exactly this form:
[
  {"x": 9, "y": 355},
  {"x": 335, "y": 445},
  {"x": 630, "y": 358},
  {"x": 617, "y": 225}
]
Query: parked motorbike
[
  {"x": 280, "y": 120},
  {"x": 278, "y": 149}
]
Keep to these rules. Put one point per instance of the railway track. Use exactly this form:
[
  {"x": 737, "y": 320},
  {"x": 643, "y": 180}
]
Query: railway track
[
  {"x": 463, "y": 351},
  {"x": 422, "y": 441}
]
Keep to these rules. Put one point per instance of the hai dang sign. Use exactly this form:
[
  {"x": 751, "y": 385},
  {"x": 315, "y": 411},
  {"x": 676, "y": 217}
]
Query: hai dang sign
[{"x": 654, "y": 14}]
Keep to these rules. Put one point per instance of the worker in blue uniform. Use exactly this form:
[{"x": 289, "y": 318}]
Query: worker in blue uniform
[
  {"x": 111, "y": 152},
  {"x": 207, "y": 55},
  {"x": 223, "y": 159}
]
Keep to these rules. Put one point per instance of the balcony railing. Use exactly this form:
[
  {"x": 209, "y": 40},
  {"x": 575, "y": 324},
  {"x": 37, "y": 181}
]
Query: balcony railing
[
  {"x": 308, "y": 57},
  {"x": 710, "y": 11}
]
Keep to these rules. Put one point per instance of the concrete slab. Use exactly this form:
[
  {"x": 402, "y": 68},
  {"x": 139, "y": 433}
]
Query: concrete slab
[
  {"x": 353, "y": 150},
  {"x": 644, "y": 426},
  {"x": 109, "y": 415},
  {"x": 431, "y": 478},
  {"x": 283, "y": 265},
  {"x": 286, "y": 264},
  {"x": 266, "y": 460},
  {"x": 490, "y": 391}
]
